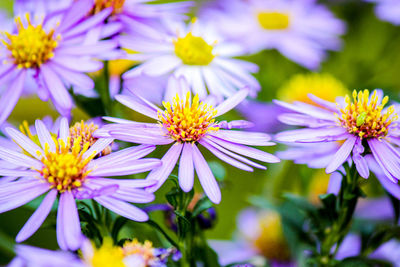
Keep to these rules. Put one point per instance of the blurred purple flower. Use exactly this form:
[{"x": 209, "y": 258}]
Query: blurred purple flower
[
  {"x": 387, "y": 10},
  {"x": 196, "y": 52},
  {"x": 302, "y": 30},
  {"x": 187, "y": 123},
  {"x": 57, "y": 60},
  {"x": 359, "y": 126},
  {"x": 260, "y": 235},
  {"x": 66, "y": 167}
]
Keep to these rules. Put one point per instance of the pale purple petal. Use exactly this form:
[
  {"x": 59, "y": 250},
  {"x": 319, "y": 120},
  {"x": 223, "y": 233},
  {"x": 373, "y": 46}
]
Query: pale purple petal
[
  {"x": 385, "y": 158},
  {"x": 73, "y": 77},
  {"x": 19, "y": 159},
  {"x": 142, "y": 136},
  {"x": 64, "y": 129},
  {"x": 22, "y": 197},
  {"x": 246, "y": 151},
  {"x": 168, "y": 163},
  {"x": 44, "y": 136},
  {"x": 23, "y": 141},
  {"x": 313, "y": 135},
  {"x": 186, "y": 169},
  {"x": 138, "y": 106},
  {"x": 11, "y": 95},
  {"x": 233, "y": 155},
  {"x": 126, "y": 168},
  {"x": 131, "y": 153},
  {"x": 122, "y": 208},
  {"x": 38, "y": 217},
  {"x": 17, "y": 173},
  {"x": 342, "y": 154},
  {"x": 77, "y": 63},
  {"x": 244, "y": 138},
  {"x": 76, "y": 12},
  {"x": 231, "y": 102},
  {"x": 71, "y": 228},
  {"x": 98, "y": 146},
  {"x": 335, "y": 182},
  {"x": 359, "y": 160},
  {"x": 225, "y": 157},
  {"x": 62, "y": 99},
  {"x": 207, "y": 179},
  {"x": 312, "y": 111},
  {"x": 84, "y": 50}
]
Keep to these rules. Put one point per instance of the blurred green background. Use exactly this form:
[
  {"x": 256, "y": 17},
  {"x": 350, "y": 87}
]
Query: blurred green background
[{"x": 370, "y": 58}]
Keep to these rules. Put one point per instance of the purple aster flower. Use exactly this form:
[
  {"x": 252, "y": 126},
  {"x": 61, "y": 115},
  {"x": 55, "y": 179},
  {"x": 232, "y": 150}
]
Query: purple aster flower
[
  {"x": 54, "y": 52},
  {"x": 302, "y": 30},
  {"x": 359, "y": 127},
  {"x": 260, "y": 234},
  {"x": 65, "y": 165},
  {"x": 186, "y": 123},
  {"x": 387, "y": 10},
  {"x": 195, "y": 51},
  {"x": 131, "y": 254}
]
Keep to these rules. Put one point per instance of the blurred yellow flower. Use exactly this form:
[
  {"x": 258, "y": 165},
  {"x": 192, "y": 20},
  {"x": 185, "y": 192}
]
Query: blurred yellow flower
[{"x": 322, "y": 85}]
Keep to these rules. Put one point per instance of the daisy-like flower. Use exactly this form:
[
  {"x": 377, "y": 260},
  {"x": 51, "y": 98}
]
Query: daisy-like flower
[
  {"x": 54, "y": 52},
  {"x": 131, "y": 254},
  {"x": 186, "y": 123},
  {"x": 195, "y": 51},
  {"x": 387, "y": 10},
  {"x": 352, "y": 129},
  {"x": 301, "y": 30},
  {"x": 260, "y": 235},
  {"x": 68, "y": 166}
]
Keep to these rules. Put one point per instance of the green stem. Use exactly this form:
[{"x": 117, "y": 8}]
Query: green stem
[
  {"x": 105, "y": 91},
  {"x": 346, "y": 204}
]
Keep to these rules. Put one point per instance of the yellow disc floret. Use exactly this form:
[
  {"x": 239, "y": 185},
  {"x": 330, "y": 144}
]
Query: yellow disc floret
[
  {"x": 271, "y": 242},
  {"x": 100, "y": 5},
  {"x": 107, "y": 255},
  {"x": 363, "y": 116},
  {"x": 65, "y": 168},
  {"x": 188, "y": 121},
  {"x": 324, "y": 86},
  {"x": 273, "y": 20},
  {"x": 85, "y": 132},
  {"x": 31, "y": 46},
  {"x": 193, "y": 50}
]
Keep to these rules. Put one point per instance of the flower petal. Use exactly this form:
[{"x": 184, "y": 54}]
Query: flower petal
[
  {"x": 168, "y": 163},
  {"x": 186, "y": 169},
  {"x": 38, "y": 217},
  {"x": 342, "y": 154},
  {"x": 122, "y": 208},
  {"x": 206, "y": 177}
]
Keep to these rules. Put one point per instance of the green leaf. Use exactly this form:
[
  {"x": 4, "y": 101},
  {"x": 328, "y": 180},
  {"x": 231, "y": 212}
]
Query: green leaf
[
  {"x": 202, "y": 205},
  {"x": 362, "y": 262},
  {"x": 158, "y": 228}
]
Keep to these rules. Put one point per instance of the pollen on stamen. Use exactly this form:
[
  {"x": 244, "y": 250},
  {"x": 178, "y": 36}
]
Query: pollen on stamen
[
  {"x": 31, "y": 46},
  {"x": 365, "y": 117},
  {"x": 65, "y": 168},
  {"x": 85, "y": 132},
  {"x": 100, "y": 5},
  {"x": 188, "y": 121}
]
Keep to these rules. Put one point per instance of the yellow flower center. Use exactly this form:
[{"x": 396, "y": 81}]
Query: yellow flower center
[
  {"x": 31, "y": 46},
  {"x": 85, "y": 132},
  {"x": 324, "y": 86},
  {"x": 363, "y": 117},
  {"x": 188, "y": 122},
  {"x": 108, "y": 255},
  {"x": 271, "y": 243},
  {"x": 65, "y": 168},
  {"x": 193, "y": 50},
  {"x": 100, "y": 5},
  {"x": 273, "y": 20}
]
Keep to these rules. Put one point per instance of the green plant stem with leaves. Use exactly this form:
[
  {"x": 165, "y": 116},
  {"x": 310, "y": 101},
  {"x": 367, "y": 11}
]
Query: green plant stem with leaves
[{"x": 342, "y": 215}]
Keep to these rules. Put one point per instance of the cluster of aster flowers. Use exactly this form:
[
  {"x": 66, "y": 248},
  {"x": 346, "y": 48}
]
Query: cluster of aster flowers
[{"x": 185, "y": 74}]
